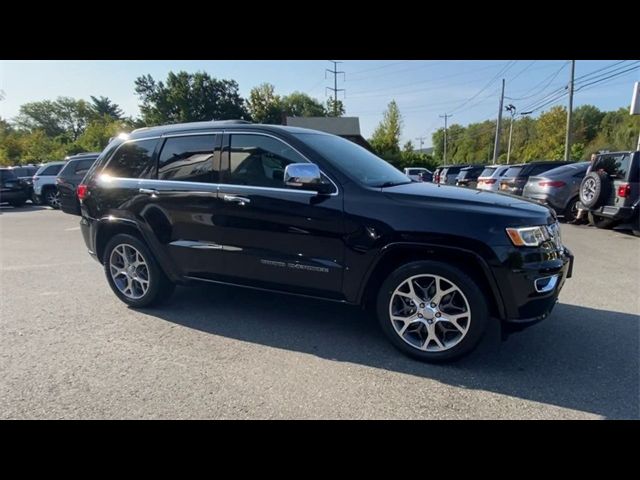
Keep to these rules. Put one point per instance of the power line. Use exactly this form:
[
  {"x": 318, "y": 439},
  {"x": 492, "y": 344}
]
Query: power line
[
  {"x": 551, "y": 78},
  {"x": 494, "y": 79},
  {"x": 378, "y": 67}
]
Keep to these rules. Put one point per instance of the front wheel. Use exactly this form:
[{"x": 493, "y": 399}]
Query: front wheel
[
  {"x": 571, "y": 212},
  {"x": 52, "y": 198},
  {"x": 133, "y": 274},
  {"x": 432, "y": 311}
]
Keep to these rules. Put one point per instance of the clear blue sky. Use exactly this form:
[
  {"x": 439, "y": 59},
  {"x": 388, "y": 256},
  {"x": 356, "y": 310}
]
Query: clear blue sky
[{"x": 423, "y": 89}]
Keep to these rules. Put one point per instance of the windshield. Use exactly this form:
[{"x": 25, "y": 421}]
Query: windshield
[
  {"x": 354, "y": 161},
  {"x": 513, "y": 171}
]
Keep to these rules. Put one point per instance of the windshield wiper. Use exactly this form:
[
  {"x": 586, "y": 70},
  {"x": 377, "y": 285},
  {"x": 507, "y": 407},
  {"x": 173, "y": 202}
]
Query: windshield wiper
[{"x": 390, "y": 184}]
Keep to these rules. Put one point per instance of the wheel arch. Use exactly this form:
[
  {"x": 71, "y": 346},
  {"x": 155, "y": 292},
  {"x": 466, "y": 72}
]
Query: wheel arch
[{"x": 469, "y": 262}]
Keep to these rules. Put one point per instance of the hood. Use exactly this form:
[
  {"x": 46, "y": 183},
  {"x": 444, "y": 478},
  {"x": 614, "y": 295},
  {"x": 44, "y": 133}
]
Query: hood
[{"x": 445, "y": 196}]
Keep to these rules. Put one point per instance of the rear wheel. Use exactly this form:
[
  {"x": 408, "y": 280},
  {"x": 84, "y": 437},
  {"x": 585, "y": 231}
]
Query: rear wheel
[
  {"x": 133, "y": 273},
  {"x": 571, "y": 212},
  {"x": 432, "y": 311},
  {"x": 601, "y": 222},
  {"x": 52, "y": 197}
]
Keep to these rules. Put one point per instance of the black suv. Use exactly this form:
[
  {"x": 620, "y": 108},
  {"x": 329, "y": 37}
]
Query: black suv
[
  {"x": 298, "y": 211},
  {"x": 468, "y": 176},
  {"x": 70, "y": 177},
  {"x": 610, "y": 192},
  {"x": 13, "y": 190},
  {"x": 517, "y": 176}
]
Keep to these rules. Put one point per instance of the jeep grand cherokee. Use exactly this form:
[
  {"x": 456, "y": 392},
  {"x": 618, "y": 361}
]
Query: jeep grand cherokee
[{"x": 303, "y": 212}]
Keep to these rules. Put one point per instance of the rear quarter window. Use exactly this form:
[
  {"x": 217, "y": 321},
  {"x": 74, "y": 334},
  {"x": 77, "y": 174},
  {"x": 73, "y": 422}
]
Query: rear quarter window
[{"x": 133, "y": 160}]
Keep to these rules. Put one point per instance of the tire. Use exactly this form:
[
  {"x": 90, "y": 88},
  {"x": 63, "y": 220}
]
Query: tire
[
  {"x": 158, "y": 288},
  {"x": 594, "y": 189},
  {"x": 17, "y": 203},
  {"x": 601, "y": 222},
  {"x": 51, "y": 197},
  {"x": 571, "y": 211},
  {"x": 636, "y": 233},
  {"x": 453, "y": 342}
]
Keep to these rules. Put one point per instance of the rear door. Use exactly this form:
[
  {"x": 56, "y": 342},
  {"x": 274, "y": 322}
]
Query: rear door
[{"x": 274, "y": 236}]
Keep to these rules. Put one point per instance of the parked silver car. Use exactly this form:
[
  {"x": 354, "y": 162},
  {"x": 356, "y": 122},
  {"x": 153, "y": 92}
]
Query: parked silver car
[
  {"x": 490, "y": 177},
  {"x": 558, "y": 188}
]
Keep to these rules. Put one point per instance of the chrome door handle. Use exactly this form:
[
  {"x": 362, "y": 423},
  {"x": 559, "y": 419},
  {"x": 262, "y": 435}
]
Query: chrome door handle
[
  {"x": 148, "y": 191},
  {"x": 236, "y": 199}
]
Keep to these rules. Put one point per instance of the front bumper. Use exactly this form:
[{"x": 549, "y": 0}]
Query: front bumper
[{"x": 530, "y": 290}]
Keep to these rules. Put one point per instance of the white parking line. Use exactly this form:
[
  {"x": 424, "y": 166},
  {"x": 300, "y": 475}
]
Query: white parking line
[
  {"x": 72, "y": 229},
  {"x": 14, "y": 268}
]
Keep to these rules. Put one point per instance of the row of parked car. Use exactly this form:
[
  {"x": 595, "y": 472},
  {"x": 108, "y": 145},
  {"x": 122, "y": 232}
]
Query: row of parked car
[
  {"x": 53, "y": 184},
  {"x": 605, "y": 190}
]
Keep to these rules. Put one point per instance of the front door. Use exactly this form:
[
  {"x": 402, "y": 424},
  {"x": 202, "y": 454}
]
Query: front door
[{"x": 273, "y": 236}]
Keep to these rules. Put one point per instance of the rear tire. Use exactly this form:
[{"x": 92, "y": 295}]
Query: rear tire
[
  {"x": 438, "y": 328},
  {"x": 571, "y": 212},
  {"x": 51, "y": 197},
  {"x": 601, "y": 222},
  {"x": 133, "y": 273}
]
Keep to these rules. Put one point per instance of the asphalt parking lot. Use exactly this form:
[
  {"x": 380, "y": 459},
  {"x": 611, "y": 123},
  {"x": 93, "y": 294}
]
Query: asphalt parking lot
[{"x": 70, "y": 349}]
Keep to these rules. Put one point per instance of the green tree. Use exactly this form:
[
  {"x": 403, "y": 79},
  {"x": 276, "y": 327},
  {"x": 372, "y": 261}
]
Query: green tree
[
  {"x": 98, "y": 132},
  {"x": 66, "y": 117},
  {"x": 187, "y": 97},
  {"x": 298, "y": 104},
  {"x": 264, "y": 105},
  {"x": 386, "y": 136},
  {"x": 102, "y": 106},
  {"x": 334, "y": 108}
]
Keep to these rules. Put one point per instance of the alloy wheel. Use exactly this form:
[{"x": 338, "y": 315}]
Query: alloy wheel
[
  {"x": 589, "y": 189},
  {"x": 430, "y": 313},
  {"x": 129, "y": 271},
  {"x": 53, "y": 199}
]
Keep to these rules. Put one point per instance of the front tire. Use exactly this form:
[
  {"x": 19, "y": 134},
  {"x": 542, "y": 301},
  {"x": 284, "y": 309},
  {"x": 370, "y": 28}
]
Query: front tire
[
  {"x": 52, "y": 198},
  {"x": 432, "y": 311},
  {"x": 133, "y": 273},
  {"x": 571, "y": 212}
]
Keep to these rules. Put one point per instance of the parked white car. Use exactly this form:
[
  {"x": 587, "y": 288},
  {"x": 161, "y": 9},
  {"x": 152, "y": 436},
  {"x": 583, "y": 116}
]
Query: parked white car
[
  {"x": 45, "y": 191},
  {"x": 489, "y": 179},
  {"x": 416, "y": 173}
]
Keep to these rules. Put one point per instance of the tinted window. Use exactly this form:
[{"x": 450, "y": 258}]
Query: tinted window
[
  {"x": 7, "y": 175},
  {"x": 83, "y": 166},
  {"x": 51, "y": 170},
  {"x": 513, "y": 171},
  {"x": 353, "y": 160},
  {"x": 188, "y": 159},
  {"x": 540, "y": 168},
  {"x": 260, "y": 161},
  {"x": 577, "y": 170},
  {"x": 615, "y": 166},
  {"x": 132, "y": 160},
  {"x": 487, "y": 172}
]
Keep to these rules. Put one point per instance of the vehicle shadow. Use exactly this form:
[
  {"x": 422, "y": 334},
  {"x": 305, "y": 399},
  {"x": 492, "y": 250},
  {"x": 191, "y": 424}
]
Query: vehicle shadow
[
  {"x": 27, "y": 207},
  {"x": 580, "y": 358}
]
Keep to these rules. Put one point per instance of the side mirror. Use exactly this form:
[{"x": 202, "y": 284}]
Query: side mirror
[{"x": 305, "y": 176}]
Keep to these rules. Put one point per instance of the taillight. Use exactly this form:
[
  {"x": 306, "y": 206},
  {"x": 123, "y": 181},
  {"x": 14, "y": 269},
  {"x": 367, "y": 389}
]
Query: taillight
[
  {"x": 555, "y": 183},
  {"x": 490, "y": 181},
  {"x": 624, "y": 190},
  {"x": 82, "y": 191}
]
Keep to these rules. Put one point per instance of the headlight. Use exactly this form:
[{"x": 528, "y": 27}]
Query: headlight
[{"x": 528, "y": 236}]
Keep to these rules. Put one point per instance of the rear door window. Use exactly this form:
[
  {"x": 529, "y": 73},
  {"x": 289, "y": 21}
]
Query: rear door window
[
  {"x": 513, "y": 171},
  {"x": 51, "y": 170},
  {"x": 133, "y": 160},
  {"x": 188, "y": 158}
]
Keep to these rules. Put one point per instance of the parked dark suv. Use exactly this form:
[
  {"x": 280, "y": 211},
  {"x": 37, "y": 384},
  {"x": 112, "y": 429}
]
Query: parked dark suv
[
  {"x": 70, "y": 177},
  {"x": 298, "y": 211},
  {"x": 610, "y": 192},
  {"x": 13, "y": 190},
  {"x": 517, "y": 176}
]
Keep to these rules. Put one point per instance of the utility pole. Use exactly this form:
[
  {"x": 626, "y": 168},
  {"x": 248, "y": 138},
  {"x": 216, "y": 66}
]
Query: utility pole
[
  {"x": 512, "y": 110},
  {"x": 445, "y": 116},
  {"x": 335, "y": 88},
  {"x": 421, "y": 140},
  {"x": 496, "y": 146},
  {"x": 567, "y": 142}
]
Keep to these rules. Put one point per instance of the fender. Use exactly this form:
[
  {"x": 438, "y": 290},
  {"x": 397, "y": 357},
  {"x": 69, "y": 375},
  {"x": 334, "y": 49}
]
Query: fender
[
  {"x": 164, "y": 261},
  {"x": 484, "y": 266}
]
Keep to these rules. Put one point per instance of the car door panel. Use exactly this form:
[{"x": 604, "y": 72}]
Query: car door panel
[{"x": 280, "y": 237}]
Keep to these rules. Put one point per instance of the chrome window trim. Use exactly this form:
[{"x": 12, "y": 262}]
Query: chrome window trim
[
  {"x": 190, "y": 134},
  {"x": 232, "y": 132}
]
